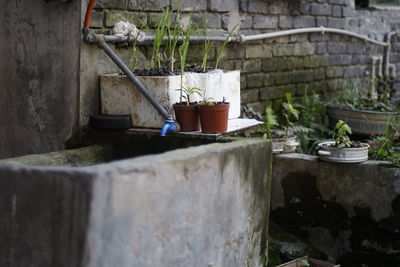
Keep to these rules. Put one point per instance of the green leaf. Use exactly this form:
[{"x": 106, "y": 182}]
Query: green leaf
[
  {"x": 340, "y": 134},
  {"x": 222, "y": 47},
  {"x": 304, "y": 263}
]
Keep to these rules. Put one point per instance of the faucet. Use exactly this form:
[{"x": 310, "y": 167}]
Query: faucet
[{"x": 169, "y": 126}]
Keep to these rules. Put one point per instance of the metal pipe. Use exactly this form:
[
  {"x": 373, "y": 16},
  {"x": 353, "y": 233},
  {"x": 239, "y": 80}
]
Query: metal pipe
[
  {"x": 380, "y": 66},
  {"x": 139, "y": 85},
  {"x": 310, "y": 30},
  {"x": 246, "y": 38},
  {"x": 148, "y": 39},
  {"x": 392, "y": 70},
  {"x": 388, "y": 38}
]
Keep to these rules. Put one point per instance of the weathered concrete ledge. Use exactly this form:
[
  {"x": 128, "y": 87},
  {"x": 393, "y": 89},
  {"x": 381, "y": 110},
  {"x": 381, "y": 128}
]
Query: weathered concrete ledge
[
  {"x": 347, "y": 211},
  {"x": 84, "y": 156},
  {"x": 189, "y": 207}
]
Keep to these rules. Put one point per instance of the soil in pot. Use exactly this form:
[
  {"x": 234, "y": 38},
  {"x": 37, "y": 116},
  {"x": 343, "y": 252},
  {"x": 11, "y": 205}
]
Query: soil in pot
[
  {"x": 162, "y": 71},
  {"x": 353, "y": 144},
  {"x": 214, "y": 118},
  {"x": 187, "y": 117}
]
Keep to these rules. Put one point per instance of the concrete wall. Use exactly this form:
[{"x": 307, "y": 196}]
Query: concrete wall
[
  {"x": 39, "y": 70},
  {"x": 349, "y": 212},
  {"x": 271, "y": 68},
  {"x": 201, "y": 206}
]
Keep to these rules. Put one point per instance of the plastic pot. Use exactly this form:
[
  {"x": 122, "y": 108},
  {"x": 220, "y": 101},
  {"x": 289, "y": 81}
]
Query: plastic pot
[
  {"x": 362, "y": 122},
  {"x": 214, "y": 118},
  {"x": 187, "y": 117}
]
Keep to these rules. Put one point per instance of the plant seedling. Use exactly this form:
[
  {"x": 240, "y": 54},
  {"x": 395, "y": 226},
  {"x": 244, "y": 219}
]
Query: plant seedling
[
  {"x": 340, "y": 134},
  {"x": 161, "y": 30},
  {"x": 183, "y": 49},
  {"x": 133, "y": 61},
  {"x": 209, "y": 101},
  {"x": 172, "y": 41},
  {"x": 187, "y": 92},
  {"x": 208, "y": 45},
  {"x": 222, "y": 47}
]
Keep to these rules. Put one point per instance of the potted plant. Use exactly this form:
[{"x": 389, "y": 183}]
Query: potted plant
[
  {"x": 307, "y": 262},
  {"x": 186, "y": 112},
  {"x": 167, "y": 71},
  {"x": 365, "y": 114},
  {"x": 282, "y": 139},
  {"x": 213, "y": 115},
  {"x": 342, "y": 149}
]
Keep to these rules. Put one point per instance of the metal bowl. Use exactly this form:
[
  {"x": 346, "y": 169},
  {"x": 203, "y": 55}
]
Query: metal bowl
[{"x": 330, "y": 153}]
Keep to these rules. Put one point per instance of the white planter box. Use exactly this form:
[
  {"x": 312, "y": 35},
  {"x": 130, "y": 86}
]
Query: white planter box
[{"x": 120, "y": 97}]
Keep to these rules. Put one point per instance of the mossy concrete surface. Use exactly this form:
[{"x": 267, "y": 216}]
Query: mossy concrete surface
[
  {"x": 349, "y": 212},
  {"x": 200, "y": 206}
]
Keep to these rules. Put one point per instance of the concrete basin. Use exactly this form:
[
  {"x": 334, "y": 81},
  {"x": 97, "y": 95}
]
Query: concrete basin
[{"x": 199, "y": 206}]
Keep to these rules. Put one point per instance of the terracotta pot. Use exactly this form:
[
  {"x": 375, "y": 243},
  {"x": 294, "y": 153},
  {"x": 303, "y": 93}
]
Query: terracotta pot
[
  {"x": 187, "y": 117},
  {"x": 214, "y": 119}
]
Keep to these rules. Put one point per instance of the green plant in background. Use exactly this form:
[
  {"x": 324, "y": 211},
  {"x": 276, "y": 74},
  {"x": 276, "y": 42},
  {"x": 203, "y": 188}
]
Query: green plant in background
[
  {"x": 222, "y": 47},
  {"x": 341, "y": 134},
  {"x": 133, "y": 61},
  {"x": 208, "y": 46},
  {"x": 351, "y": 96},
  {"x": 187, "y": 92},
  {"x": 309, "y": 112},
  {"x": 183, "y": 50},
  {"x": 312, "y": 130},
  {"x": 173, "y": 32},
  {"x": 162, "y": 28},
  {"x": 271, "y": 121},
  {"x": 289, "y": 112},
  {"x": 385, "y": 147}
]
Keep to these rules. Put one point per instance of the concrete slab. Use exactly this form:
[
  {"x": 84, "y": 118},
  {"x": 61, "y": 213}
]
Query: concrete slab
[{"x": 201, "y": 206}]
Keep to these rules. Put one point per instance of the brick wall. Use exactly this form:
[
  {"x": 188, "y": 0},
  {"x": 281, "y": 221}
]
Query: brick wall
[{"x": 271, "y": 67}]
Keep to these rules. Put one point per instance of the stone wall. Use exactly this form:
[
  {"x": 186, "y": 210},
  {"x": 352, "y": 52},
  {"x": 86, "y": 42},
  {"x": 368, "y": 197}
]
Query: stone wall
[
  {"x": 200, "y": 206},
  {"x": 272, "y": 67},
  {"x": 349, "y": 212}
]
